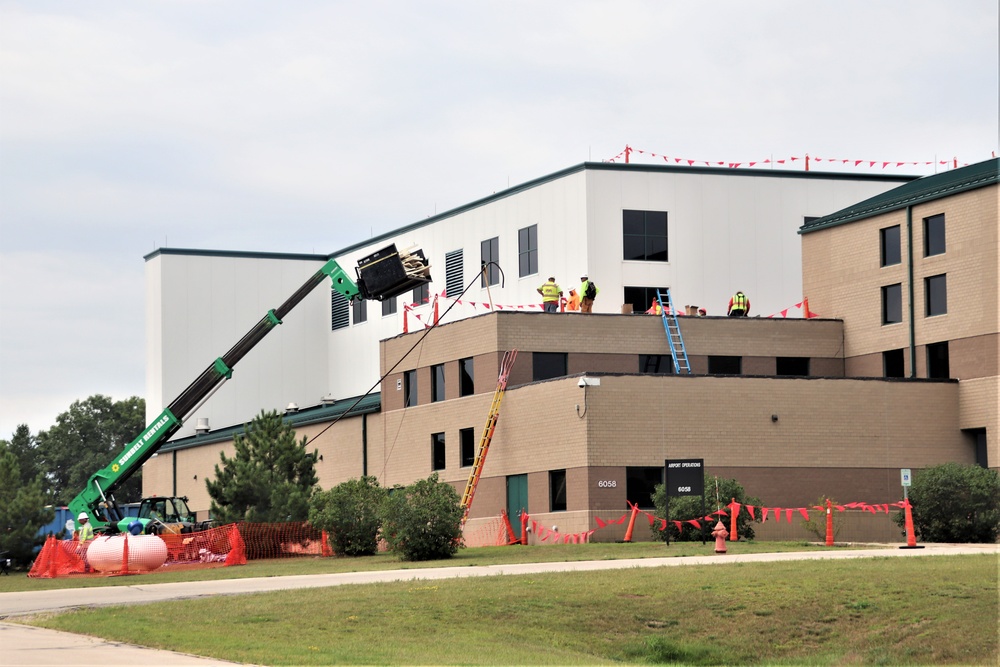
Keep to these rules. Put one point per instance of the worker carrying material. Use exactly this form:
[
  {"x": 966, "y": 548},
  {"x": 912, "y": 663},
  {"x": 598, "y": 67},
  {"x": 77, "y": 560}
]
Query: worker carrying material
[
  {"x": 550, "y": 295},
  {"x": 739, "y": 305},
  {"x": 588, "y": 292}
]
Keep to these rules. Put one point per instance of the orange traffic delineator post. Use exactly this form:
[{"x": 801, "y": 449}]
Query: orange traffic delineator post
[
  {"x": 524, "y": 527},
  {"x": 733, "y": 511},
  {"x": 829, "y": 523},
  {"x": 631, "y": 523},
  {"x": 911, "y": 539}
]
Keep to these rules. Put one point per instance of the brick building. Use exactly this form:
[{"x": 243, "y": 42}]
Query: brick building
[{"x": 792, "y": 408}]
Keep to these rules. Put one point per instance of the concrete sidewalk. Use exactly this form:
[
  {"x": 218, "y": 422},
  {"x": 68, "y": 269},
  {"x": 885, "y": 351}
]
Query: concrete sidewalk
[{"x": 24, "y": 645}]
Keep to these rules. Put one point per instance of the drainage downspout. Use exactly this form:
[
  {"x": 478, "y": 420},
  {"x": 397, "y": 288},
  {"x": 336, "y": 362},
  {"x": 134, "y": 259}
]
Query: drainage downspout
[
  {"x": 364, "y": 444},
  {"x": 909, "y": 268}
]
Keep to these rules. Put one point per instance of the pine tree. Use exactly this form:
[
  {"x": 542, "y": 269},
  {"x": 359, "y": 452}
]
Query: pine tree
[{"x": 271, "y": 477}]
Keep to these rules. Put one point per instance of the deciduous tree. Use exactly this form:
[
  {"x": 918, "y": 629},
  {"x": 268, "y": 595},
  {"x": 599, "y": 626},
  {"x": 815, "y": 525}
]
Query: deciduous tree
[
  {"x": 85, "y": 439},
  {"x": 22, "y": 509}
]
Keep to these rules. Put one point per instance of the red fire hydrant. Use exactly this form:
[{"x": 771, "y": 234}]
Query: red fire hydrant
[{"x": 720, "y": 534}]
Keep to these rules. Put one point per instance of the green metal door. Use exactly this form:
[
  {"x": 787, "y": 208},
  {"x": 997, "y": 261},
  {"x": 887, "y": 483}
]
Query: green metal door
[{"x": 517, "y": 500}]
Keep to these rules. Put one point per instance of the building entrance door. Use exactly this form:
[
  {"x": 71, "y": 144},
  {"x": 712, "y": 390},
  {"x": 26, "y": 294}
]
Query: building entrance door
[{"x": 517, "y": 500}]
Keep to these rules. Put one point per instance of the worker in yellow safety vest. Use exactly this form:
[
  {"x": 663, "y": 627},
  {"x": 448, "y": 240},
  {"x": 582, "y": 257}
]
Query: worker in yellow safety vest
[
  {"x": 551, "y": 293},
  {"x": 739, "y": 305}
]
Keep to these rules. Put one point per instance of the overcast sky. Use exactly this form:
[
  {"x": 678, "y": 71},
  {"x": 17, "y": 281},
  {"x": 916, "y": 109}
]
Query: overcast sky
[{"x": 304, "y": 127}]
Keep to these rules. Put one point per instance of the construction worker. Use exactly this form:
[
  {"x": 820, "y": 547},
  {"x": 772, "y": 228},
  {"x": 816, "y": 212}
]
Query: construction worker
[
  {"x": 739, "y": 305},
  {"x": 85, "y": 530},
  {"x": 574, "y": 301},
  {"x": 588, "y": 292},
  {"x": 551, "y": 293}
]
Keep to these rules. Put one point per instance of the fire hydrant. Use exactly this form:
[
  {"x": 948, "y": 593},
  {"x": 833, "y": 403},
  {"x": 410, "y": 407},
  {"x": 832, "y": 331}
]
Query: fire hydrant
[{"x": 720, "y": 534}]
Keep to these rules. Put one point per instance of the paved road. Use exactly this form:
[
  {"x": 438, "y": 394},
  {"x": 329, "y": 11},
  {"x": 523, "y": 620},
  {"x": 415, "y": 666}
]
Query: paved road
[{"x": 24, "y": 645}]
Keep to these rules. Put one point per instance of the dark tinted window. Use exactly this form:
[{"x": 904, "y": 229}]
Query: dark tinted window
[
  {"x": 466, "y": 377},
  {"x": 527, "y": 251},
  {"x": 545, "y": 365},
  {"x": 640, "y": 482},
  {"x": 891, "y": 252},
  {"x": 937, "y": 360},
  {"x": 723, "y": 365},
  {"x": 934, "y": 235},
  {"x": 360, "y": 309},
  {"x": 340, "y": 311},
  {"x": 489, "y": 251},
  {"x": 467, "y": 439},
  {"x": 410, "y": 388},
  {"x": 557, "y": 490},
  {"x": 656, "y": 364},
  {"x": 936, "y": 294},
  {"x": 892, "y": 304},
  {"x": 421, "y": 293},
  {"x": 892, "y": 364},
  {"x": 437, "y": 451},
  {"x": 644, "y": 235},
  {"x": 437, "y": 383},
  {"x": 389, "y": 306},
  {"x": 642, "y": 298},
  {"x": 792, "y": 366}
]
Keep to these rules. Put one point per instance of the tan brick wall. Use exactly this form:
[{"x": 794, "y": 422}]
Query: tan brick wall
[{"x": 842, "y": 278}]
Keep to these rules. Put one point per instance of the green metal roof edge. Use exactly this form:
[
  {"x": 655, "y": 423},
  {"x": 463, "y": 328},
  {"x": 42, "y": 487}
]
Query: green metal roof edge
[
  {"x": 615, "y": 166},
  {"x": 928, "y": 188},
  {"x": 368, "y": 404},
  {"x": 235, "y": 253}
]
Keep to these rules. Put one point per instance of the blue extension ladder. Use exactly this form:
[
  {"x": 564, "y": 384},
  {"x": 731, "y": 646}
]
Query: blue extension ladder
[{"x": 673, "y": 329}]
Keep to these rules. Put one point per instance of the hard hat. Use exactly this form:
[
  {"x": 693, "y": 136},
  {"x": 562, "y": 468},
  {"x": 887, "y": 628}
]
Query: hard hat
[
  {"x": 83, "y": 517},
  {"x": 583, "y": 277}
]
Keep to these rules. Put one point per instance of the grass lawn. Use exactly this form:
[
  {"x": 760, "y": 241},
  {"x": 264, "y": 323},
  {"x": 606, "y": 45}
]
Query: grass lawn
[
  {"x": 892, "y": 611},
  {"x": 18, "y": 581}
]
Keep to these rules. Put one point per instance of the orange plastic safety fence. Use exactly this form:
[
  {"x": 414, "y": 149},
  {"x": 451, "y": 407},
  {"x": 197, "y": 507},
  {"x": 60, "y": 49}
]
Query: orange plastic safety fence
[
  {"x": 283, "y": 540},
  {"x": 59, "y": 558}
]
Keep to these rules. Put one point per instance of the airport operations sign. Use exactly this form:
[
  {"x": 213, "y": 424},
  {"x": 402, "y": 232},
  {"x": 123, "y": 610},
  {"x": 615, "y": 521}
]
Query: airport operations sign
[{"x": 685, "y": 477}]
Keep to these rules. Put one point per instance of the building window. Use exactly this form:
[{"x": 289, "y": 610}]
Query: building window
[
  {"x": 892, "y": 304},
  {"x": 340, "y": 311},
  {"x": 557, "y": 490},
  {"x": 410, "y": 388},
  {"x": 934, "y": 235},
  {"x": 797, "y": 366},
  {"x": 937, "y": 360},
  {"x": 489, "y": 251},
  {"x": 656, "y": 364},
  {"x": 437, "y": 451},
  {"x": 360, "y": 311},
  {"x": 437, "y": 383},
  {"x": 421, "y": 294},
  {"x": 466, "y": 377},
  {"x": 936, "y": 295},
  {"x": 644, "y": 235},
  {"x": 454, "y": 271},
  {"x": 892, "y": 364},
  {"x": 640, "y": 483},
  {"x": 467, "y": 438},
  {"x": 527, "y": 251},
  {"x": 641, "y": 298},
  {"x": 545, "y": 365},
  {"x": 389, "y": 307},
  {"x": 724, "y": 365},
  {"x": 891, "y": 252}
]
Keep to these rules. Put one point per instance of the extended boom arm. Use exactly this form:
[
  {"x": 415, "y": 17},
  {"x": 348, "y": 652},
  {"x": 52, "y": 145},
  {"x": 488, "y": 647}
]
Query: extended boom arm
[{"x": 97, "y": 500}]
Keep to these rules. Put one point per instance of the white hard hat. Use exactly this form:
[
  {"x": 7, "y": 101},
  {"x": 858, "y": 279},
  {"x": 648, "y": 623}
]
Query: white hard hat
[{"x": 83, "y": 517}]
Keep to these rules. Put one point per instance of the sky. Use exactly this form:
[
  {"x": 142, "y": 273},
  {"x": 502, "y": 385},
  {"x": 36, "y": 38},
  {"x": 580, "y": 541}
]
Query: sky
[{"x": 305, "y": 127}]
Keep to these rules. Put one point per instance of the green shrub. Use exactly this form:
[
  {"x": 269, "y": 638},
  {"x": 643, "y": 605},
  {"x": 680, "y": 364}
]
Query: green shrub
[
  {"x": 423, "y": 521},
  {"x": 955, "y": 503},
  {"x": 689, "y": 507},
  {"x": 350, "y": 513},
  {"x": 816, "y": 523}
]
